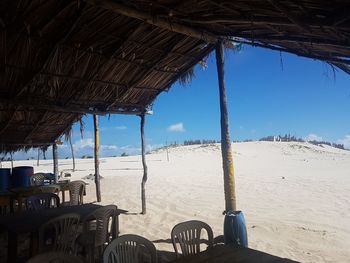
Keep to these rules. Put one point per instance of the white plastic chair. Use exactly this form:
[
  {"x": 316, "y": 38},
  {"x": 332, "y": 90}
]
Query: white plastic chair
[
  {"x": 76, "y": 192},
  {"x": 55, "y": 257},
  {"x": 59, "y": 233},
  {"x": 188, "y": 235},
  {"x": 37, "y": 179},
  {"x": 130, "y": 249},
  {"x": 99, "y": 228}
]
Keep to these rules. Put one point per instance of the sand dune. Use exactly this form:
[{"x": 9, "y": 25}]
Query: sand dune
[{"x": 295, "y": 196}]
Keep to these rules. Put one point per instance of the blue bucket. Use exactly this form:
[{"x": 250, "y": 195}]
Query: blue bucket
[
  {"x": 5, "y": 174},
  {"x": 235, "y": 230},
  {"x": 21, "y": 176}
]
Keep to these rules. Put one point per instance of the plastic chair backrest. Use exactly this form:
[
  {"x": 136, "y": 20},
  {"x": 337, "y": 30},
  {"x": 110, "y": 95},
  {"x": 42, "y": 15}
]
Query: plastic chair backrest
[
  {"x": 5, "y": 205},
  {"x": 129, "y": 249},
  {"x": 188, "y": 235},
  {"x": 59, "y": 233},
  {"x": 37, "y": 179},
  {"x": 103, "y": 220},
  {"x": 55, "y": 257},
  {"x": 42, "y": 201},
  {"x": 76, "y": 191}
]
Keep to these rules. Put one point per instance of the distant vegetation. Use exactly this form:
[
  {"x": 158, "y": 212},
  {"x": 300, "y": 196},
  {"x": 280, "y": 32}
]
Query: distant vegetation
[
  {"x": 288, "y": 138},
  {"x": 87, "y": 157},
  {"x": 271, "y": 138},
  {"x": 4, "y": 159},
  {"x": 280, "y": 138},
  {"x": 335, "y": 145},
  {"x": 194, "y": 142},
  {"x": 124, "y": 154}
]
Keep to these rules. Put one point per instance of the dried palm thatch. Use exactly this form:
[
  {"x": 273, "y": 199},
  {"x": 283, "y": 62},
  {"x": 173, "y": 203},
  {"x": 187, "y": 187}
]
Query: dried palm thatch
[{"x": 61, "y": 59}]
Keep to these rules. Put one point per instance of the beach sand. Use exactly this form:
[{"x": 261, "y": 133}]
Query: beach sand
[{"x": 295, "y": 196}]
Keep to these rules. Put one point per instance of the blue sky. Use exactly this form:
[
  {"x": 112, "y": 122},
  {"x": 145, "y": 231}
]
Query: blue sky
[{"x": 268, "y": 94}]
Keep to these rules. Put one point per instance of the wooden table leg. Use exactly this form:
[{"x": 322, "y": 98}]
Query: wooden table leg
[
  {"x": 12, "y": 205},
  {"x": 34, "y": 246},
  {"x": 116, "y": 227},
  {"x": 63, "y": 196},
  {"x": 12, "y": 247},
  {"x": 20, "y": 203}
]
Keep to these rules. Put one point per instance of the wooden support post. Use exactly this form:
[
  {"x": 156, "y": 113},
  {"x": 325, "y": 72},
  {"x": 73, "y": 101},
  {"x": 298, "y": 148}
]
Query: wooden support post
[
  {"x": 167, "y": 149},
  {"x": 72, "y": 150},
  {"x": 55, "y": 161},
  {"x": 38, "y": 160},
  {"x": 11, "y": 160},
  {"x": 226, "y": 151},
  {"x": 144, "y": 178},
  {"x": 97, "y": 162}
]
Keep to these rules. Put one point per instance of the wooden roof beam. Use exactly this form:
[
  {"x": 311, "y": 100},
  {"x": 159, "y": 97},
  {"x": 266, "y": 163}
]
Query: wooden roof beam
[
  {"x": 154, "y": 20},
  {"x": 70, "y": 108},
  {"x": 332, "y": 60},
  {"x": 34, "y": 144},
  {"x": 290, "y": 16}
]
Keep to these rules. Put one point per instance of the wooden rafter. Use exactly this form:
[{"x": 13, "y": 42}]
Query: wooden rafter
[
  {"x": 204, "y": 53},
  {"x": 151, "y": 48},
  {"x": 141, "y": 77},
  {"x": 35, "y": 105},
  {"x": 127, "y": 61},
  {"x": 79, "y": 93},
  {"x": 293, "y": 51},
  {"x": 33, "y": 144},
  {"x": 66, "y": 128},
  {"x": 148, "y": 18},
  {"x": 4, "y": 128},
  {"x": 36, "y": 126},
  {"x": 48, "y": 57},
  {"x": 296, "y": 20}
]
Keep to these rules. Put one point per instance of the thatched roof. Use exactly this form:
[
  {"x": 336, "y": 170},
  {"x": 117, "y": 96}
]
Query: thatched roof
[{"x": 62, "y": 59}]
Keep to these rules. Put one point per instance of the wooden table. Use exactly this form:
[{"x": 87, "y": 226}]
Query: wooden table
[
  {"x": 31, "y": 221},
  {"x": 232, "y": 254},
  {"x": 20, "y": 193}
]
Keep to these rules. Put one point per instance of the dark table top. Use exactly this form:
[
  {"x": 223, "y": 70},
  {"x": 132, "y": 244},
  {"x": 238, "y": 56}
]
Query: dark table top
[
  {"x": 232, "y": 254},
  {"x": 22, "y": 190},
  {"x": 30, "y": 221},
  {"x": 6, "y": 193}
]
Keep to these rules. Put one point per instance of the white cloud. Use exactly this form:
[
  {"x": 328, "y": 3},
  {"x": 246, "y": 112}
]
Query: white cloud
[
  {"x": 109, "y": 147},
  {"x": 313, "y": 137},
  {"x": 130, "y": 150},
  {"x": 84, "y": 143},
  {"x": 151, "y": 147},
  {"x": 122, "y": 127},
  {"x": 62, "y": 146},
  {"x": 345, "y": 141},
  {"x": 86, "y": 147},
  {"x": 177, "y": 127},
  {"x": 119, "y": 128}
]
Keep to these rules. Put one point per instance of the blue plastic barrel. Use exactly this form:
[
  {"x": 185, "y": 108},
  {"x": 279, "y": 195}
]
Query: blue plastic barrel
[
  {"x": 5, "y": 174},
  {"x": 235, "y": 230},
  {"x": 21, "y": 176}
]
